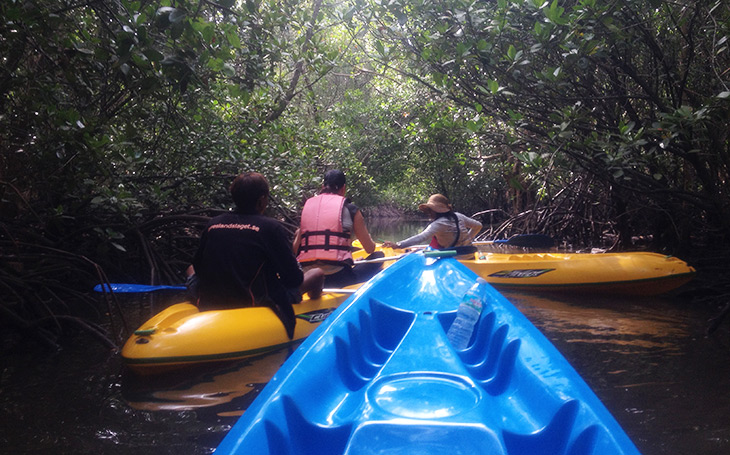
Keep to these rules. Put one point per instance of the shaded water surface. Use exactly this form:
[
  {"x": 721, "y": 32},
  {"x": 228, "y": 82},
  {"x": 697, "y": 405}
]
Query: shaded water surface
[{"x": 647, "y": 359}]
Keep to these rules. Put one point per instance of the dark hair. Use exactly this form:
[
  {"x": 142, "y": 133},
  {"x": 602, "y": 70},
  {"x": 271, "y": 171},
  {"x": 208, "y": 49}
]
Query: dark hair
[
  {"x": 333, "y": 180},
  {"x": 246, "y": 190}
]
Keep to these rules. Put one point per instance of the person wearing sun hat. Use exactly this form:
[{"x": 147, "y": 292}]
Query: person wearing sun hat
[{"x": 448, "y": 229}]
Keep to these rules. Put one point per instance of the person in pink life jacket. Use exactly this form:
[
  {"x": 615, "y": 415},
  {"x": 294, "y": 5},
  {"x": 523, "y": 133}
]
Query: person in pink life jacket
[
  {"x": 324, "y": 238},
  {"x": 448, "y": 229}
]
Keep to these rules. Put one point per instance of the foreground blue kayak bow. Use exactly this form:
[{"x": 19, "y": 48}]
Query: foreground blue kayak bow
[{"x": 380, "y": 377}]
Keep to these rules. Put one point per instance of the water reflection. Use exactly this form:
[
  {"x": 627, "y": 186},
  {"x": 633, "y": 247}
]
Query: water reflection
[
  {"x": 394, "y": 229},
  {"x": 226, "y": 389},
  {"x": 624, "y": 324}
]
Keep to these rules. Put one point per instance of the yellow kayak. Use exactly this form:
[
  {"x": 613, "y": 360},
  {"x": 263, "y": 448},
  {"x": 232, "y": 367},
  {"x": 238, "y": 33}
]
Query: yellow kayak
[
  {"x": 633, "y": 273},
  {"x": 629, "y": 273},
  {"x": 181, "y": 335}
]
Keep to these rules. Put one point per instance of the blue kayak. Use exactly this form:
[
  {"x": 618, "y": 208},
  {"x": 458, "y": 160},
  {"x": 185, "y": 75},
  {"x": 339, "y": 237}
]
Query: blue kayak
[{"x": 379, "y": 376}]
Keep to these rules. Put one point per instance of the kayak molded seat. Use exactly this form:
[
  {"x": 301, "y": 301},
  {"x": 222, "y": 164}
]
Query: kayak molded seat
[
  {"x": 498, "y": 383},
  {"x": 389, "y": 323},
  {"x": 290, "y": 433},
  {"x": 362, "y": 355},
  {"x": 557, "y": 435},
  {"x": 490, "y": 358}
]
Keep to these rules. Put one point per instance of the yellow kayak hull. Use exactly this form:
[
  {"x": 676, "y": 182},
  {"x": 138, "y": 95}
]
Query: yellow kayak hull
[
  {"x": 634, "y": 273},
  {"x": 181, "y": 335},
  {"x": 629, "y": 273}
]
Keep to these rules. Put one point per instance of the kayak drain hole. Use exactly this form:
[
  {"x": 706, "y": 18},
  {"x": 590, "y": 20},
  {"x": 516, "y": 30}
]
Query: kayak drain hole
[{"x": 143, "y": 340}]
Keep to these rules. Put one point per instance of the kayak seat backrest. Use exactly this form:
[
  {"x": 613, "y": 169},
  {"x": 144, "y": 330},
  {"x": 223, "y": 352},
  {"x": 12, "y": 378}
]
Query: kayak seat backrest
[
  {"x": 361, "y": 352},
  {"x": 292, "y": 434},
  {"x": 555, "y": 437}
]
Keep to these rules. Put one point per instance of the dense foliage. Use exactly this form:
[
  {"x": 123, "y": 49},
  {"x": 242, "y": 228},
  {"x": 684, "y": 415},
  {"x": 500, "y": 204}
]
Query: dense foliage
[
  {"x": 122, "y": 123},
  {"x": 620, "y": 104}
]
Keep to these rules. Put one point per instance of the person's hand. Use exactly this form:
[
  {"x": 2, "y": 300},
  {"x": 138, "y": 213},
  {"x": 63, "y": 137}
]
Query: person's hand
[{"x": 389, "y": 244}]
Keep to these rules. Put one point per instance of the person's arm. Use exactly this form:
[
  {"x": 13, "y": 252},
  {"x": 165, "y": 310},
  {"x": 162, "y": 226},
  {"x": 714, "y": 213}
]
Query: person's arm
[
  {"x": 290, "y": 272},
  {"x": 297, "y": 241},
  {"x": 197, "y": 263},
  {"x": 473, "y": 225},
  {"x": 422, "y": 238},
  {"x": 361, "y": 232}
]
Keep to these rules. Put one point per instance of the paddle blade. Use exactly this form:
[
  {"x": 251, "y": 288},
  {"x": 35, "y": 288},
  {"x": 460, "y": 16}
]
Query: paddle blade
[{"x": 125, "y": 288}]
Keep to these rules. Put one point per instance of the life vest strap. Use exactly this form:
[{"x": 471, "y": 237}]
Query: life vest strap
[{"x": 327, "y": 245}]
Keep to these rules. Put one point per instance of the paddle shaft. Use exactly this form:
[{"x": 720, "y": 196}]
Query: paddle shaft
[
  {"x": 338, "y": 291},
  {"x": 523, "y": 240},
  {"x": 383, "y": 259},
  {"x": 128, "y": 288}
]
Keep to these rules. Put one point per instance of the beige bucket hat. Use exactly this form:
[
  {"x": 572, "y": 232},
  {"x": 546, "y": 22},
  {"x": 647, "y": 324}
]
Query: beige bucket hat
[{"x": 438, "y": 203}]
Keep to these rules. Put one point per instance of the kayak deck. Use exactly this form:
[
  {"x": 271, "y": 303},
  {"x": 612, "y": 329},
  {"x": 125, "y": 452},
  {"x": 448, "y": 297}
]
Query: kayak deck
[{"x": 380, "y": 376}]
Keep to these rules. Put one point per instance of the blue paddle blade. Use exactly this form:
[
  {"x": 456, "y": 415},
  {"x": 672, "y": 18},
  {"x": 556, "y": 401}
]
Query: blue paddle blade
[{"x": 125, "y": 288}]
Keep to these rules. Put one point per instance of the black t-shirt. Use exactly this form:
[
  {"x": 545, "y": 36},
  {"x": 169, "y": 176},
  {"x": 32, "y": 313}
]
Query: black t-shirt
[{"x": 245, "y": 259}]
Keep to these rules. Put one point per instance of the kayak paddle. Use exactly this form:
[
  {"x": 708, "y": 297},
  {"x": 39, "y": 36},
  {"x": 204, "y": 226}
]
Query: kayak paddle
[
  {"x": 338, "y": 291},
  {"x": 523, "y": 240},
  {"x": 383, "y": 259},
  {"x": 128, "y": 288}
]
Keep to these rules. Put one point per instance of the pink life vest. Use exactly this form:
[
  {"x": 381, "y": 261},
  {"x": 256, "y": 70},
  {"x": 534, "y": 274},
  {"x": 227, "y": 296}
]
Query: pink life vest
[{"x": 322, "y": 235}]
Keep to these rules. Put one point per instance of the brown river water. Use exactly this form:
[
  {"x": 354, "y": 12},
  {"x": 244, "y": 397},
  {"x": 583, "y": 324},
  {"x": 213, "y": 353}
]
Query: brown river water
[{"x": 647, "y": 359}]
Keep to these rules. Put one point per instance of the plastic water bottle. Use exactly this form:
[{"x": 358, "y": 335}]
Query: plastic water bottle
[{"x": 467, "y": 316}]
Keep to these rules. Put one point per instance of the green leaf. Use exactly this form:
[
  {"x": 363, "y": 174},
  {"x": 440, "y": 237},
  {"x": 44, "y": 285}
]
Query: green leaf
[
  {"x": 229, "y": 70},
  {"x": 233, "y": 39},
  {"x": 153, "y": 55},
  {"x": 493, "y": 86},
  {"x": 119, "y": 247}
]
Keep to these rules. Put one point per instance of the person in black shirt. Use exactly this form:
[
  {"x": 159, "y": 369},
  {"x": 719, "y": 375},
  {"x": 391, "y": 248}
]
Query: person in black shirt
[{"x": 245, "y": 258}]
